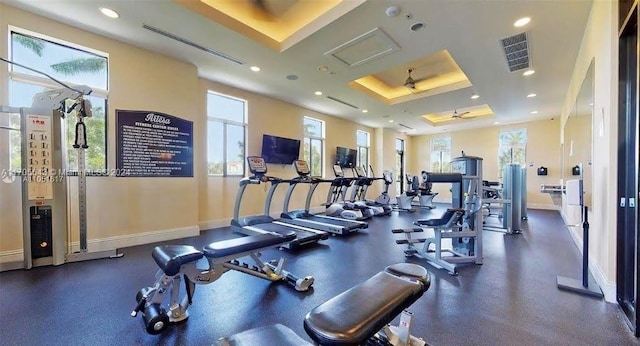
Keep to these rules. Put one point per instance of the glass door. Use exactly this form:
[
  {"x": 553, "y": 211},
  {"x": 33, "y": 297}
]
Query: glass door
[{"x": 628, "y": 243}]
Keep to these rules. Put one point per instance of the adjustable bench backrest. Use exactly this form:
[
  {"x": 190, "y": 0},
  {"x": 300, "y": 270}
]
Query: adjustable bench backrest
[{"x": 358, "y": 313}]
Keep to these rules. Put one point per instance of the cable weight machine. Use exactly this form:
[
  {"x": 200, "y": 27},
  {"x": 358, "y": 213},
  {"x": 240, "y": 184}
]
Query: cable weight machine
[{"x": 46, "y": 232}]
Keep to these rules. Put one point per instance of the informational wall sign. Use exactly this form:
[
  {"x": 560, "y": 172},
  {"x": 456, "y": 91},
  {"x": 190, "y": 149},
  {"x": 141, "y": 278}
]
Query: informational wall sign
[{"x": 152, "y": 144}]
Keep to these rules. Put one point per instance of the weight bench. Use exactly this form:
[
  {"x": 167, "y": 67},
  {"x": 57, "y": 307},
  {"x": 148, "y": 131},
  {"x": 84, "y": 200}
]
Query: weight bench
[
  {"x": 355, "y": 316},
  {"x": 178, "y": 262}
]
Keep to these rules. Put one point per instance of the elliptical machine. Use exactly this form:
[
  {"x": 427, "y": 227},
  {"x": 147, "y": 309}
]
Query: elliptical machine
[
  {"x": 359, "y": 192},
  {"x": 337, "y": 205}
]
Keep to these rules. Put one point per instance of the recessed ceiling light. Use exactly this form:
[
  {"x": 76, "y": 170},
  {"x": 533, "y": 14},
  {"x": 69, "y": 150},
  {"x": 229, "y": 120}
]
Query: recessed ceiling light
[
  {"x": 365, "y": 111},
  {"x": 528, "y": 72},
  {"x": 109, "y": 12},
  {"x": 318, "y": 93},
  {"x": 322, "y": 68},
  {"x": 534, "y": 112},
  {"x": 475, "y": 96},
  {"x": 532, "y": 95},
  {"x": 391, "y": 121},
  {"x": 255, "y": 68},
  {"x": 417, "y": 26},
  {"x": 522, "y": 22},
  {"x": 496, "y": 123}
]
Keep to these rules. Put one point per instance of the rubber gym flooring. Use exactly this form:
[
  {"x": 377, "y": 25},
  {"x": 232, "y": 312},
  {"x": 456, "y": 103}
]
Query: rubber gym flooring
[{"x": 511, "y": 299}]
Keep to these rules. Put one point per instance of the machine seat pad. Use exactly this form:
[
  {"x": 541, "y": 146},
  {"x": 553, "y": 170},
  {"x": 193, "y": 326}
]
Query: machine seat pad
[
  {"x": 171, "y": 257},
  {"x": 442, "y": 220},
  {"x": 271, "y": 335},
  {"x": 355, "y": 315},
  {"x": 243, "y": 244}
]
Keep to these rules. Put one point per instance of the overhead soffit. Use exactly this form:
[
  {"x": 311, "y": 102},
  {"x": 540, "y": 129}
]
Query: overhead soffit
[
  {"x": 278, "y": 24},
  {"x": 434, "y": 74},
  {"x": 446, "y": 118}
]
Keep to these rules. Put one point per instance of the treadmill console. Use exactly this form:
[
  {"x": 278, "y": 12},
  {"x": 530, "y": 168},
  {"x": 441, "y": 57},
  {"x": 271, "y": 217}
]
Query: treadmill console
[
  {"x": 360, "y": 172},
  {"x": 256, "y": 165},
  {"x": 302, "y": 167},
  {"x": 337, "y": 170}
]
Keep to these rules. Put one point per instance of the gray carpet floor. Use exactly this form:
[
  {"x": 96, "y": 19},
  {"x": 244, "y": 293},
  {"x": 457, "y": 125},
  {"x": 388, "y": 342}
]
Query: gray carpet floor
[{"x": 511, "y": 299}]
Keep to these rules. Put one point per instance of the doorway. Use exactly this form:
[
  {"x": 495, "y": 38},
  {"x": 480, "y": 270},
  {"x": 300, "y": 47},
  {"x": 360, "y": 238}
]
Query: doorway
[{"x": 628, "y": 243}]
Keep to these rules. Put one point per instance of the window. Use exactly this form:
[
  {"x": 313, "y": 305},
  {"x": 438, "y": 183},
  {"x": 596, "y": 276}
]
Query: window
[
  {"x": 399, "y": 171},
  {"x": 226, "y": 131},
  {"x": 362, "y": 141},
  {"x": 314, "y": 145},
  {"x": 74, "y": 66},
  {"x": 441, "y": 154},
  {"x": 512, "y": 148}
]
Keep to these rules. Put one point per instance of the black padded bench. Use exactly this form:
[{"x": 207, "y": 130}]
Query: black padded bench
[
  {"x": 351, "y": 317},
  {"x": 171, "y": 257},
  {"x": 451, "y": 216}
]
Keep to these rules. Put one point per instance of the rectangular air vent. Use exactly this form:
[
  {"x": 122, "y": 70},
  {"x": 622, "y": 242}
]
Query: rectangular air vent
[
  {"x": 405, "y": 126},
  {"x": 193, "y": 44},
  {"x": 364, "y": 48},
  {"x": 343, "y": 102},
  {"x": 516, "y": 50}
]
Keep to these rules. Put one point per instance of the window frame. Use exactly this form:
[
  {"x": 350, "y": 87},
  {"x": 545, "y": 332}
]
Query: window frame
[
  {"x": 520, "y": 146},
  {"x": 225, "y": 123},
  {"x": 48, "y": 84},
  {"x": 315, "y": 138},
  {"x": 441, "y": 152},
  {"x": 366, "y": 147}
]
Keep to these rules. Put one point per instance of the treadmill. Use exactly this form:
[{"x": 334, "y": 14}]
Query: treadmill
[
  {"x": 304, "y": 218},
  {"x": 262, "y": 224}
]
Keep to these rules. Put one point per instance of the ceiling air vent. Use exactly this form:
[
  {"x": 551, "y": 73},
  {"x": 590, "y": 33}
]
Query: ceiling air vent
[
  {"x": 364, "y": 48},
  {"x": 193, "y": 44},
  {"x": 343, "y": 102},
  {"x": 516, "y": 50},
  {"x": 405, "y": 126}
]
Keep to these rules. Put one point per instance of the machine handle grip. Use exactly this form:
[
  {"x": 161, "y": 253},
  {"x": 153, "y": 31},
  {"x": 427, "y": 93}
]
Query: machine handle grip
[{"x": 139, "y": 307}]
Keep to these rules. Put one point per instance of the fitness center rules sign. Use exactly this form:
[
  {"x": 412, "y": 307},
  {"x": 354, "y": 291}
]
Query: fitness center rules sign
[{"x": 152, "y": 144}]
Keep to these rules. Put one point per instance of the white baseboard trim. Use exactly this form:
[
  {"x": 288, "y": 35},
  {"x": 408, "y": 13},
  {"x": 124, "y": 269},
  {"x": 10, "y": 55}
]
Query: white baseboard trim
[
  {"x": 116, "y": 242},
  {"x": 121, "y": 241},
  {"x": 211, "y": 224},
  {"x": 607, "y": 287},
  {"x": 543, "y": 206},
  {"x": 12, "y": 256}
]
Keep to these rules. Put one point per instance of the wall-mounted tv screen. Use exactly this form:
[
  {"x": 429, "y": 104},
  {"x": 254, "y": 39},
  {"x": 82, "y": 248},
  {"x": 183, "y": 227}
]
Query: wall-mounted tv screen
[
  {"x": 346, "y": 157},
  {"x": 280, "y": 150}
]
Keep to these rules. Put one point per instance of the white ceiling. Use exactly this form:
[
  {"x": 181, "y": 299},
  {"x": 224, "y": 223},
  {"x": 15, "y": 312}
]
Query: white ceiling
[{"x": 468, "y": 29}]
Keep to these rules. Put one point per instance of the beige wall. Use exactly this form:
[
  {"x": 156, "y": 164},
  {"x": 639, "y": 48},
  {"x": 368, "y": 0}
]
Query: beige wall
[
  {"x": 543, "y": 149},
  {"x": 273, "y": 117},
  {"x": 139, "y": 79},
  {"x": 600, "y": 44}
]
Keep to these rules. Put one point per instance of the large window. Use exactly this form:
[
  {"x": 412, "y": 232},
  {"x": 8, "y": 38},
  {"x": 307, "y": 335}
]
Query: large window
[
  {"x": 441, "y": 154},
  {"x": 226, "y": 129},
  {"x": 399, "y": 170},
  {"x": 363, "y": 143},
  {"x": 72, "y": 65},
  {"x": 314, "y": 145},
  {"x": 512, "y": 148}
]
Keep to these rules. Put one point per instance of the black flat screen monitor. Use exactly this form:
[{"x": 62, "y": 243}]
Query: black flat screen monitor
[
  {"x": 346, "y": 157},
  {"x": 280, "y": 150}
]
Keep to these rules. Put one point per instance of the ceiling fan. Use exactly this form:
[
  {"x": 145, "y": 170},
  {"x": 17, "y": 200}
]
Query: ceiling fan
[
  {"x": 410, "y": 83},
  {"x": 457, "y": 115}
]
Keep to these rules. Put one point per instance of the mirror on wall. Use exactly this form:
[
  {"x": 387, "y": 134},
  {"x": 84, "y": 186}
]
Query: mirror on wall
[{"x": 577, "y": 146}]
